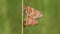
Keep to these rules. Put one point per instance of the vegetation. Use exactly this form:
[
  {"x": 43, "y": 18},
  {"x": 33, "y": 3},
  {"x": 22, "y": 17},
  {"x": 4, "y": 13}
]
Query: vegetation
[
  {"x": 50, "y": 22},
  {"x": 10, "y": 16}
]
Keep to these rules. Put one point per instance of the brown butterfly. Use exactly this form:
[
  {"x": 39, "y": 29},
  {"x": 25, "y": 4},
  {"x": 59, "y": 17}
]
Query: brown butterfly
[{"x": 31, "y": 16}]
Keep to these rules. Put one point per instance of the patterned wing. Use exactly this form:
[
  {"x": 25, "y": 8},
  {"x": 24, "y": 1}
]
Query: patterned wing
[
  {"x": 29, "y": 22},
  {"x": 32, "y": 12}
]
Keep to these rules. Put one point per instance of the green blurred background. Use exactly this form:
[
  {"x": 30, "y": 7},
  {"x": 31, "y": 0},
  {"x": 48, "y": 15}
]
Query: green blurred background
[
  {"x": 50, "y": 22},
  {"x": 10, "y": 16}
]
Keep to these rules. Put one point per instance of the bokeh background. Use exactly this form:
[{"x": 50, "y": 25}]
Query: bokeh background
[
  {"x": 10, "y": 16},
  {"x": 50, "y": 22}
]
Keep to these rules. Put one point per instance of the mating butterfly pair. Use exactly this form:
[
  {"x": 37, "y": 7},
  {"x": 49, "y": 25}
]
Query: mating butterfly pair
[{"x": 31, "y": 16}]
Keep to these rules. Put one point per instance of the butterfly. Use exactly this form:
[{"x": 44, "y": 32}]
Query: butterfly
[{"x": 31, "y": 16}]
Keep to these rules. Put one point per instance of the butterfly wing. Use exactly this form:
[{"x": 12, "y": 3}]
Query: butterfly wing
[
  {"x": 27, "y": 10},
  {"x": 37, "y": 14},
  {"x": 32, "y": 12},
  {"x": 29, "y": 21}
]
